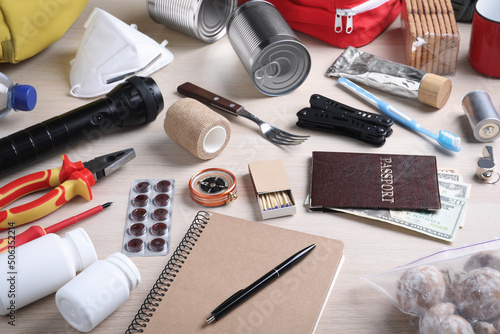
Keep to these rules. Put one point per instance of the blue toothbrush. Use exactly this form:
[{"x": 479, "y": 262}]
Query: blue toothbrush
[{"x": 445, "y": 138}]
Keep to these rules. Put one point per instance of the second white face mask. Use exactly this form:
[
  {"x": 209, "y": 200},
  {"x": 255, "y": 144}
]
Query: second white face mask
[{"x": 110, "y": 52}]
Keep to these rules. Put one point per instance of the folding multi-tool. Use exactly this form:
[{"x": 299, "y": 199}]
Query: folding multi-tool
[{"x": 335, "y": 117}]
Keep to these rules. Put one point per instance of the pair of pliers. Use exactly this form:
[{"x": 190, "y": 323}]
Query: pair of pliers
[{"x": 69, "y": 180}]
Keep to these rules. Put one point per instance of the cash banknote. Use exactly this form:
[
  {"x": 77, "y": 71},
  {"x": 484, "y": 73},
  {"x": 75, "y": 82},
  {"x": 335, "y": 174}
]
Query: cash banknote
[
  {"x": 456, "y": 190},
  {"x": 442, "y": 224},
  {"x": 447, "y": 176}
]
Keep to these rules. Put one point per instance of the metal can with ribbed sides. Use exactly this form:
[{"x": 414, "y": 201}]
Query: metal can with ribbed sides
[
  {"x": 272, "y": 54},
  {"x": 202, "y": 19}
]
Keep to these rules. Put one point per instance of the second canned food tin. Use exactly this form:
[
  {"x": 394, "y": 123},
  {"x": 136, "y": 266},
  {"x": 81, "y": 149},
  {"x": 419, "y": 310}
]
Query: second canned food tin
[
  {"x": 272, "y": 54},
  {"x": 202, "y": 19}
]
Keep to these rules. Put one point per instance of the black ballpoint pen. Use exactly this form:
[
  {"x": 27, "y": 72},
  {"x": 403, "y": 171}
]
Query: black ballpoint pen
[{"x": 241, "y": 295}]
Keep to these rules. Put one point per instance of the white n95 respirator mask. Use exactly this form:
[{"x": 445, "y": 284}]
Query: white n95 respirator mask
[{"x": 110, "y": 52}]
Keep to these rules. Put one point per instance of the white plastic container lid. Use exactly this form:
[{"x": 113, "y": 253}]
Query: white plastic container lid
[
  {"x": 129, "y": 268},
  {"x": 84, "y": 253}
]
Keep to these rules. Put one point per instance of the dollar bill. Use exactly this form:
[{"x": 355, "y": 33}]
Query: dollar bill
[
  {"x": 442, "y": 224},
  {"x": 448, "y": 170},
  {"x": 457, "y": 190},
  {"x": 454, "y": 189},
  {"x": 449, "y": 176}
]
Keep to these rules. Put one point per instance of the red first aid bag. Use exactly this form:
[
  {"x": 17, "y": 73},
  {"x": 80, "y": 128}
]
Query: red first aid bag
[{"x": 341, "y": 23}]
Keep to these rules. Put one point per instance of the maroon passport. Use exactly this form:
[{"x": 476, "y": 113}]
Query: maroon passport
[{"x": 375, "y": 181}]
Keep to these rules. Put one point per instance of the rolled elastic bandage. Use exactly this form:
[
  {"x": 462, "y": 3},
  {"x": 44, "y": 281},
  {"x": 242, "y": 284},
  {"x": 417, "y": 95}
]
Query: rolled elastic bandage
[{"x": 197, "y": 128}]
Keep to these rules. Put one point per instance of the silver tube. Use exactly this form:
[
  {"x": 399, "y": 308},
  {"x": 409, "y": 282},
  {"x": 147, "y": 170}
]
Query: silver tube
[
  {"x": 391, "y": 77},
  {"x": 366, "y": 69}
]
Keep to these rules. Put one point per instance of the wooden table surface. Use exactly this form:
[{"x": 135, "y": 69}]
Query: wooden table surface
[{"x": 370, "y": 246}]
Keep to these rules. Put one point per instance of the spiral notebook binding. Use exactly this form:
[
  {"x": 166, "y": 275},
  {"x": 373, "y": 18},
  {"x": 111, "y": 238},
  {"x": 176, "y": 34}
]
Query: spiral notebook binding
[{"x": 168, "y": 274}]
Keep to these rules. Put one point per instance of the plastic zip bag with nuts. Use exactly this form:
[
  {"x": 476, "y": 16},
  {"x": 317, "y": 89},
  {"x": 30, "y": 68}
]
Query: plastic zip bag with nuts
[{"x": 456, "y": 290}]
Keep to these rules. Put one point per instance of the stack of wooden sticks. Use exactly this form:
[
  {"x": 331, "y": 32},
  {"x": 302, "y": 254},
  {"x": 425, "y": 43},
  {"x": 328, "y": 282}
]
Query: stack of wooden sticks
[
  {"x": 431, "y": 35},
  {"x": 275, "y": 200}
]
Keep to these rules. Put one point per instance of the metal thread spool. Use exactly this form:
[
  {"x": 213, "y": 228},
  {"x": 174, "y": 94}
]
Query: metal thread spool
[
  {"x": 202, "y": 19},
  {"x": 268, "y": 48},
  {"x": 482, "y": 115}
]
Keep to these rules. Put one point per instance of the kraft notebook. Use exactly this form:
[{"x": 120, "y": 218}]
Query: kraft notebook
[
  {"x": 375, "y": 181},
  {"x": 221, "y": 255}
]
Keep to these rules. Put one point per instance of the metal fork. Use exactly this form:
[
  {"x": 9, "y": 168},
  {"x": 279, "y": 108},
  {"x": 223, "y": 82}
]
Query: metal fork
[{"x": 271, "y": 133}]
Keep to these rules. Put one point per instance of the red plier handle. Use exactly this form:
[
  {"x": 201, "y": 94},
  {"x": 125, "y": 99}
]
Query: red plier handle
[
  {"x": 72, "y": 179},
  {"x": 38, "y": 181}
]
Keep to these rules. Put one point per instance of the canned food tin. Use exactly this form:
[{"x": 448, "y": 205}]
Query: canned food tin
[
  {"x": 270, "y": 51},
  {"x": 202, "y": 19},
  {"x": 482, "y": 115}
]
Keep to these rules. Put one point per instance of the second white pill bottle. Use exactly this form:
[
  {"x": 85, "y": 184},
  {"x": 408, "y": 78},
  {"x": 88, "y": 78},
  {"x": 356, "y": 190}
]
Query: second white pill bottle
[{"x": 97, "y": 292}]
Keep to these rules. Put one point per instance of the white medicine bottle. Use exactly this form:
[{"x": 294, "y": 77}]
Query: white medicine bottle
[
  {"x": 41, "y": 266},
  {"x": 97, "y": 292}
]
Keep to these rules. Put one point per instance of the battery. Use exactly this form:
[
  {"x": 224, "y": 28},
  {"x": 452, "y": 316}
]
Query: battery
[
  {"x": 271, "y": 53},
  {"x": 482, "y": 115}
]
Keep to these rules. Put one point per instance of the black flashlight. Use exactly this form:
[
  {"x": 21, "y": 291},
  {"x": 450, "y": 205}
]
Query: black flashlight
[{"x": 136, "y": 101}]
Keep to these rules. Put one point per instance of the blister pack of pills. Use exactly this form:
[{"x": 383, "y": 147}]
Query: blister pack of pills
[{"x": 149, "y": 218}]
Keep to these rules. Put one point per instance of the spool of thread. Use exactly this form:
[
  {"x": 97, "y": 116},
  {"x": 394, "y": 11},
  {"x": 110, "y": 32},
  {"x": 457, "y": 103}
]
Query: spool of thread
[
  {"x": 482, "y": 115},
  {"x": 197, "y": 128}
]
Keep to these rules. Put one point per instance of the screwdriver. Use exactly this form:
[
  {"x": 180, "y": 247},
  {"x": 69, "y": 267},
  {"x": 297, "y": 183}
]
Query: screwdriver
[{"x": 35, "y": 232}]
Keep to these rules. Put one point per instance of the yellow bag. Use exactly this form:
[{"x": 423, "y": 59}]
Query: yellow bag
[{"x": 29, "y": 26}]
